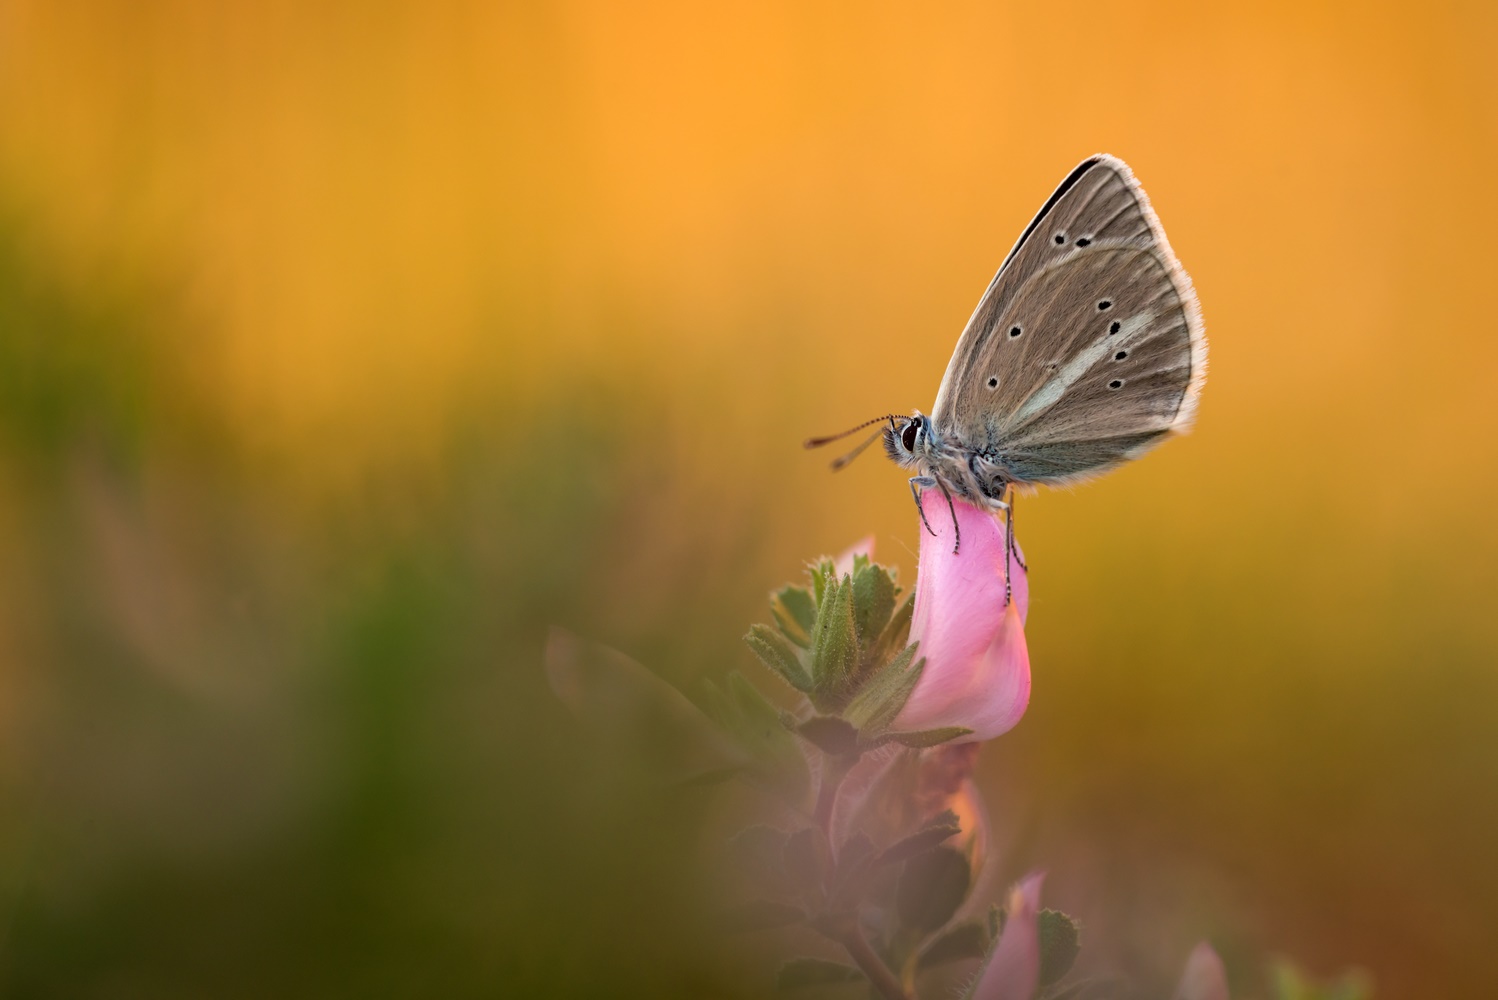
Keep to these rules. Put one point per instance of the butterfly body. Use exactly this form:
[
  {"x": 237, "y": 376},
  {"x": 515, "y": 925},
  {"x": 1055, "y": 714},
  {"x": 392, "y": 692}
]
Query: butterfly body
[
  {"x": 1086, "y": 350},
  {"x": 972, "y": 473}
]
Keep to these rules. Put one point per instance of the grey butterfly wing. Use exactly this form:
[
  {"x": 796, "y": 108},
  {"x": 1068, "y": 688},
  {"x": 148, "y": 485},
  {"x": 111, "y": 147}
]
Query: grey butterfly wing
[{"x": 1087, "y": 348}]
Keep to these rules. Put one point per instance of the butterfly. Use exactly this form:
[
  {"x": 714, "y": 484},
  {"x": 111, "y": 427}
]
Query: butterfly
[{"x": 1086, "y": 350}]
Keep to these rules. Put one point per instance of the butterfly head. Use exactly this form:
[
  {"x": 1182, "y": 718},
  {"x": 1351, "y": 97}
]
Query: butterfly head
[{"x": 908, "y": 440}]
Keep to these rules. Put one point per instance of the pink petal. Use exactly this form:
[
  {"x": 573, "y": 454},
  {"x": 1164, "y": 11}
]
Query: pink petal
[
  {"x": 977, "y": 671},
  {"x": 1204, "y": 978},
  {"x": 1012, "y": 971}
]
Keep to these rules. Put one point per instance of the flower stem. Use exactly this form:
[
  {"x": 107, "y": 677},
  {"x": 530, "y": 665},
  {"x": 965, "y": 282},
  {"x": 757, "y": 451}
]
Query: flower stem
[
  {"x": 851, "y": 938},
  {"x": 833, "y": 773},
  {"x": 845, "y": 929}
]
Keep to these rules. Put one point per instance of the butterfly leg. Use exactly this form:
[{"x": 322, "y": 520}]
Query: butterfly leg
[
  {"x": 918, "y": 483},
  {"x": 1008, "y": 552},
  {"x": 952, "y": 509},
  {"x": 1009, "y": 529},
  {"x": 1011, "y": 550}
]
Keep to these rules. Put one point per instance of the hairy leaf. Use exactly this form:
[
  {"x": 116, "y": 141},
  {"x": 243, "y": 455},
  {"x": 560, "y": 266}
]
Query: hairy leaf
[
  {"x": 777, "y": 653},
  {"x": 1060, "y": 941},
  {"x": 895, "y": 635},
  {"x": 775, "y": 761},
  {"x": 884, "y": 692},
  {"x": 968, "y": 940},
  {"x": 924, "y": 738},
  {"x": 795, "y": 612},
  {"x": 834, "y": 643},
  {"x": 822, "y": 574},
  {"x": 928, "y": 838},
  {"x": 931, "y": 887},
  {"x": 873, "y": 600}
]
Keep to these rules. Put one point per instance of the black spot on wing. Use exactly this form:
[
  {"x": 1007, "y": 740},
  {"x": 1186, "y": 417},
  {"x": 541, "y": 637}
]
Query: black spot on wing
[{"x": 1057, "y": 195}]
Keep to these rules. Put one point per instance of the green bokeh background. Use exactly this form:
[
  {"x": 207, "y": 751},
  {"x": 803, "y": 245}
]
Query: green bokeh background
[{"x": 344, "y": 350}]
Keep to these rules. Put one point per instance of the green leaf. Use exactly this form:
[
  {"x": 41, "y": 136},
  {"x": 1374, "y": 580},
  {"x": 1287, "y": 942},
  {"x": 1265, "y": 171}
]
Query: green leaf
[
  {"x": 829, "y": 734},
  {"x": 931, "y": 887},
  {"x": 757, "y": 715},
  {"x": 884, "y": 692},
  {"x": 924, "y": 738},
  {"x": 822, "y": 574},
  {"x": 636, "y": 714},
  {"x": 969, "y": 940},
  {"x": 776, "y": 761},
  {"x": 1060, "y": 941},
  {"x": 873, "y": 600},
  {"x": 775, "y": 652},
  {"x": 795, "y": 612},
  {"x": 928, "y": 838},
  {"x": 760, "y": 915},
  {"x": 834, "y": 642},
  {"x": 800, "y": 973},
  {"x": 895, "y": 635}
]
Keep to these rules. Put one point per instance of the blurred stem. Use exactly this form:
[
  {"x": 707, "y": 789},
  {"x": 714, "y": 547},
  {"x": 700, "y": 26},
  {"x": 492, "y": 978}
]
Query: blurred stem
[
  {"x": 846, "y": 930},
  {"x": 851, "y": 937},
  {"x": 910, "y": 948},
  {"x": 833, "y": 773}
]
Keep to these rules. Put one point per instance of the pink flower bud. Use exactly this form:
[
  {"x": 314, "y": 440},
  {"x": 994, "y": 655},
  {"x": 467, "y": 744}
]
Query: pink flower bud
[
  {"x": 977, "y": 671},
  {"x": 1012, "y": 971},
  {"x": 1204, "y": 978}
]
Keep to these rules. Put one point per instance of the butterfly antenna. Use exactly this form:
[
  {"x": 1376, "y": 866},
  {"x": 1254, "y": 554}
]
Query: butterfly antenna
[
  {"x": 818, "y": 442},
  {"x": 839, "y": 463}
]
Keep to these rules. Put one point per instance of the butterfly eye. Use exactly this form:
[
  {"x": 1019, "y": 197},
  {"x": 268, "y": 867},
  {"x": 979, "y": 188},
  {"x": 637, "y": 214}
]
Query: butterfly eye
[{"x": 907, "y": 436}]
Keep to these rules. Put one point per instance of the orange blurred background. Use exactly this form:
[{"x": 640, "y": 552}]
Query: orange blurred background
[{"x": 343, "y": 348}]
